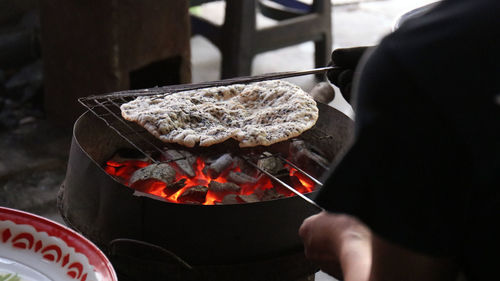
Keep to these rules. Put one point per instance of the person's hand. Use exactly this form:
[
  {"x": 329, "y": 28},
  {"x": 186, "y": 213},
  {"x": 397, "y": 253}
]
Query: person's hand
[
  {"x": 323, "y": 92},
  {"x": 339, "y": 244},
  {"x": 346, "y": 59}
]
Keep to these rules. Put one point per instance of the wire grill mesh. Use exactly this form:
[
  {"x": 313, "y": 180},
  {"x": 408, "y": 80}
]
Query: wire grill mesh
[{"x": 107, "y": 108}]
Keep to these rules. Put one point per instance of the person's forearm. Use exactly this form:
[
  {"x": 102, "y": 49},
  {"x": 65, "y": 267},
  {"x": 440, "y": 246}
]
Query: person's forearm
[
  {"x": 340, "y": 244},
  {"x": 356, "y": 258},
  {"x": 393, "y": 262}
]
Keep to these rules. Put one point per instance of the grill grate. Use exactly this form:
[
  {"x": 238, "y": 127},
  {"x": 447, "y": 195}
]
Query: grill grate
[{"x": 107, "y": 108}]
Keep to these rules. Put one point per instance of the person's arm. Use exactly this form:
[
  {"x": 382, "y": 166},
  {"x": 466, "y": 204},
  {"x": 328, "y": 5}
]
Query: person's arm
[
  {"x": 402, "y": 176},
  {"x": 339, "y": 244},
  {"x": 345, "y": 248},
  {"x": 394, "y": 263}
]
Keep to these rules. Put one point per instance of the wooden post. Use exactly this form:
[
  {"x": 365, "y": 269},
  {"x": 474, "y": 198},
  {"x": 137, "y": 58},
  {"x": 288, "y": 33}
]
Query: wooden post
[{"x": 94, "y": 47}]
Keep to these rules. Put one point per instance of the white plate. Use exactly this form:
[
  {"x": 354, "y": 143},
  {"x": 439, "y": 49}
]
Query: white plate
[{"x": 33, "y": 248}]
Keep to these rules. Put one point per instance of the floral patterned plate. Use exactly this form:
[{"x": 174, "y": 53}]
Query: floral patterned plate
[{"x": 34, "y": 248}]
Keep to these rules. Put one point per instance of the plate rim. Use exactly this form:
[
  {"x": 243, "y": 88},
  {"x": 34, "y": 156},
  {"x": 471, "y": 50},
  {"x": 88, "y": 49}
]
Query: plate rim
[{"x": 73, "y": 239}]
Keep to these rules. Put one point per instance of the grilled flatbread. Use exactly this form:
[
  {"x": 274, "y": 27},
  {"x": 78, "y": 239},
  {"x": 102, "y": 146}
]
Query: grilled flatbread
[{"x": 261, "y": 113}]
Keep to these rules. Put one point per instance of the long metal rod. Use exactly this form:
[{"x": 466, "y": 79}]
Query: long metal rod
[
  {"x": 218, "y": 83},
  {"x": 307, "y": 199},
  {"x": 301, "y": 171}
]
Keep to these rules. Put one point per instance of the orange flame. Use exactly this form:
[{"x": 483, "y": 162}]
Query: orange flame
[{"x": 124, "y": 170}]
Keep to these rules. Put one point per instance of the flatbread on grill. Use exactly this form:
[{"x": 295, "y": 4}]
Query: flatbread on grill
[{"x": 261, "y": 113}]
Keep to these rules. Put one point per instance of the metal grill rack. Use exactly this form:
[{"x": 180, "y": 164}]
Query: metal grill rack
[
  {"x": 274, "y": 178},
  {"x": 107, "y": 108}
]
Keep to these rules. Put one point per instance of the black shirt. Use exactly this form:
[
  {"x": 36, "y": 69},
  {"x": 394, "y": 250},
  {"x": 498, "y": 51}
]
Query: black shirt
[{"x": 424, "y": 169}]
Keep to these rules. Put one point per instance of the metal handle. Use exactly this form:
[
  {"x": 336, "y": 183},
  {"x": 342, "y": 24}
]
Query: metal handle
[
  {"x": 136, "y": 260},
  {"x": 194, "y": 86}
]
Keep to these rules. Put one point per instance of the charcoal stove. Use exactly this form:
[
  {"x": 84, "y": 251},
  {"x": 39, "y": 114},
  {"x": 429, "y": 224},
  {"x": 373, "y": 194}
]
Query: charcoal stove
[{"x": 254, "y": 241}]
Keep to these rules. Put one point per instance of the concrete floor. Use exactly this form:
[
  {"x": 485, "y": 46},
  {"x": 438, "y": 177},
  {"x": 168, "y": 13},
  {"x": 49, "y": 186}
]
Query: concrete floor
[{"x": 355, "y": 23}]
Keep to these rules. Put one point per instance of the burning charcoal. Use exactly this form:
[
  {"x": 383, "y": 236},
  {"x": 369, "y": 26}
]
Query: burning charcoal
[
  {"x": 291, "y": 181},
  {"x": 295, "y": 182},
  {"x": 230, "y": 199},
  {"x": 194, "y": 195},
  {"x": 227, "y": 187},
  {"x": 307, "y": 159},
  {"x": 284, "y": 178},
  {"x": 174, "y": 187},
  {"x": 239, "y": 199},
  {"x": 240, "y": 178},
  {"x": 162, "y": 172},
  {"x": 251, "y": 198},
  {"x": 183, "y": 163},
  {"x": 128, "y": 154},
  {"x": 271, "y": 164},
  {"x": 190, "y": 158},
  {"x": 217, "y": 167},
  {"x": 268, "y": 194},
  {"x": 244, "y": 166}
]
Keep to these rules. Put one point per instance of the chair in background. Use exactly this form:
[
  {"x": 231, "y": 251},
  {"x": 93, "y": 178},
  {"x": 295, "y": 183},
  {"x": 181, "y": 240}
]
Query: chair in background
[{"x": 239, "y": 40}]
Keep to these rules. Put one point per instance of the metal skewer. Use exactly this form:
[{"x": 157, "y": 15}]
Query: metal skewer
[
  {"x": 307, "y": 199},
  {"x": 301, "y": 171},
  {"x": 218, "y": 83}
]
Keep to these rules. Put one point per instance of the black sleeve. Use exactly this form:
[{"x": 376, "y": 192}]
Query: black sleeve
[{"x": 404, "y": 174}]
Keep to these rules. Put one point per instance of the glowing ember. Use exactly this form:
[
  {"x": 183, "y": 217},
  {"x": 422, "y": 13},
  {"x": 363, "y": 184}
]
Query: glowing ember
[{"x": 259, "y": 186}]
